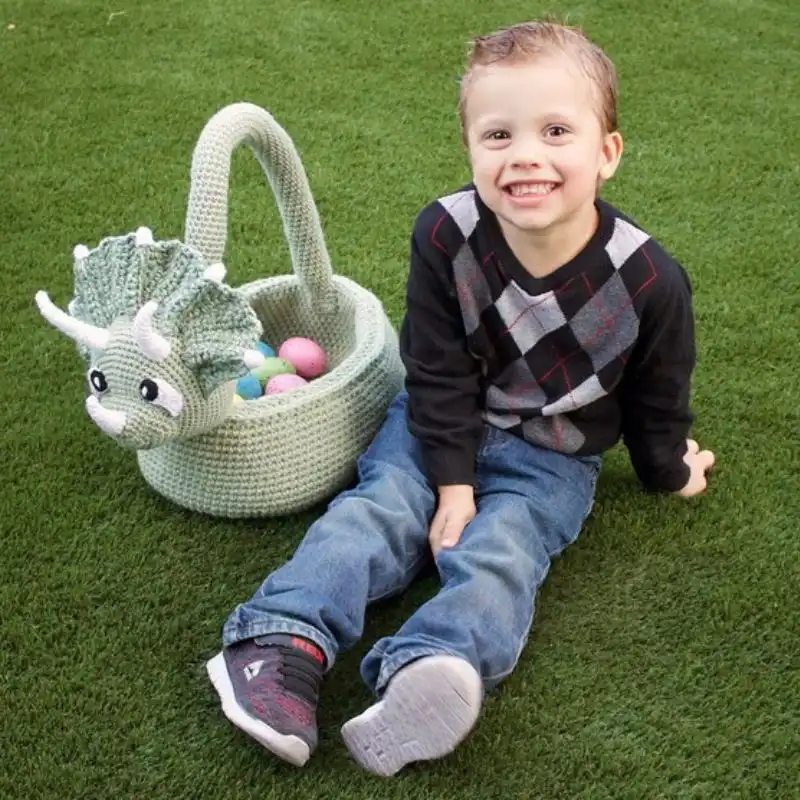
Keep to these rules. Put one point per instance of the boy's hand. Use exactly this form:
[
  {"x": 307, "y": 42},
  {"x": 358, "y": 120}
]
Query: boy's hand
[
  {"x": 699, "y": 462},
  {"x": 456, "y": 510}
]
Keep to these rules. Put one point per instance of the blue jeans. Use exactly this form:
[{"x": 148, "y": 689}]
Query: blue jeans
[{"x": 373, "y": 541}]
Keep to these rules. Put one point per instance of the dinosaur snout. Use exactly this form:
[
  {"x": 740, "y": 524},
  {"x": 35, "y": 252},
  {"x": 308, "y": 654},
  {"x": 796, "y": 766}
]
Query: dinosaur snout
[{"x": 110, "y": 422}]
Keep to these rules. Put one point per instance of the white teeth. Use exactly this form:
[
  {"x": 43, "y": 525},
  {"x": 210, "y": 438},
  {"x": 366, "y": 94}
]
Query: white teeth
[{"x": 522, "y": 189}]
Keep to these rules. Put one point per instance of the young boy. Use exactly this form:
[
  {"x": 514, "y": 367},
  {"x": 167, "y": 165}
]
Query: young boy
[{"x": 542, "y": 327}]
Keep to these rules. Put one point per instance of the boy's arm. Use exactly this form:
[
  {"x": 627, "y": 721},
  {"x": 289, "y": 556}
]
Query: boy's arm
[
  {"x": 656, "y": 417},
  {"x": 443, "y": 378}
]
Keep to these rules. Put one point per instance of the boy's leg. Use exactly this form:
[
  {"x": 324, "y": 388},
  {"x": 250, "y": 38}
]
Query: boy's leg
[
  {"x": 370, "y": 543},
  {"x": 531, "y": 504}
]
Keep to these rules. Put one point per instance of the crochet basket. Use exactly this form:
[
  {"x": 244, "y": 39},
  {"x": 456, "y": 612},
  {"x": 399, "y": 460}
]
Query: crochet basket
[
  {"x": 158, "y": 326},
  {"x": 282, "y": 453}
]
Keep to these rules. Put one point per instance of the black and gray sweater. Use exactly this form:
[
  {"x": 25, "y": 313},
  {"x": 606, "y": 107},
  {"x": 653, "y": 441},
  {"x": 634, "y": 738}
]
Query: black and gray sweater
[{"x": 600, "y": 349}]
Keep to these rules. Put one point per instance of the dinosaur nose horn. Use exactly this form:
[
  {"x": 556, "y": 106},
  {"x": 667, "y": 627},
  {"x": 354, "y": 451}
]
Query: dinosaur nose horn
[
  {"x": 110, "y": 422},
  {"x": 82, "y": 332}
]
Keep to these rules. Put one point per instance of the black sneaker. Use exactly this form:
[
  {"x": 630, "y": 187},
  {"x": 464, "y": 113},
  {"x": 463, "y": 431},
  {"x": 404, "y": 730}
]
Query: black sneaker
[{"x": 270, "y": 690}]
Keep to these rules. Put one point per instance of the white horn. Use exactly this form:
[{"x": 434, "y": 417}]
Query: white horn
[
  {"x": 110, "y": 422},
  {"x": 144, "y": 236},
  {"x": 215, "y": 272},
  {"x": 82, "y": 332},
  {"x": 152, "y": 344}
]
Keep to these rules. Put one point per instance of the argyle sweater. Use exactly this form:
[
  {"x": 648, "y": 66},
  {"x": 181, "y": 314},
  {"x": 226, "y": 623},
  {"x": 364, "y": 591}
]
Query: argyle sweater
[{"x": 602, "y": 349}]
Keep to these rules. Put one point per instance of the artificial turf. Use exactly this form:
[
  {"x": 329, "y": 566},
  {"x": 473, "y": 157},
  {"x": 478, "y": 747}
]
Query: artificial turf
[{"x": 664, "y": 660}]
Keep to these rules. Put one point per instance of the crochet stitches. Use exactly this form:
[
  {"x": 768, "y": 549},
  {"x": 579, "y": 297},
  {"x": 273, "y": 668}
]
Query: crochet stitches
[
  {"x": 165, "y": 340},
  {"x": 158, "y": 333}
]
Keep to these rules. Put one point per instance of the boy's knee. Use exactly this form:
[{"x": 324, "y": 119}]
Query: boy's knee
[
  {"x": 385, "y": 486},
  {"x": 501, "y": 562}
]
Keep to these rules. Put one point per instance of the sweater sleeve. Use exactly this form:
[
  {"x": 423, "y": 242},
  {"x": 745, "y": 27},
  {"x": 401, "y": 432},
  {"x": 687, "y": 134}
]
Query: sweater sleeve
[
  {"x": 442, "y": 377},
  {"x": 656, "y": 417}
]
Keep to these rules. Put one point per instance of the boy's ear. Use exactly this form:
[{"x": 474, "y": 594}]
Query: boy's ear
[{"x": 610, "y": 155}]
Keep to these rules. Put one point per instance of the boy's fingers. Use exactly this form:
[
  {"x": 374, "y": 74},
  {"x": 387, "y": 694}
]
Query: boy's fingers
[
  {"x": 695, "y": 486},
  {"x": 692, "y": 447},
  {"x": 453, "y": 529},
  {"x": 705, "y": 458},
  {"x": 439, "y": 531},
  {"x": 451, "y": 535}
]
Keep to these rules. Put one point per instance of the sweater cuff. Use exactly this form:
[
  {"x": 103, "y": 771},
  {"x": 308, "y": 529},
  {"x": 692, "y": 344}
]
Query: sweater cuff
[
  {"x": 671, "y": 479},
  {"x": 449, "y": 467}
]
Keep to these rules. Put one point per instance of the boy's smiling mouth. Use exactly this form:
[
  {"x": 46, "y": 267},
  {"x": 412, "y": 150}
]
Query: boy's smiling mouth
[{"x": 520, "y": 189}]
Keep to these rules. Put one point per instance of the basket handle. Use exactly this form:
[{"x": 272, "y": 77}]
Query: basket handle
[{"x": 207, "y": 214}]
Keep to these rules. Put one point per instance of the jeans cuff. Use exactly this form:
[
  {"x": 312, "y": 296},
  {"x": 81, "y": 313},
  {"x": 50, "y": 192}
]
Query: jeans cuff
[
  {"x": 232, "y": 633},
  {"x": 393, "y": 664}
]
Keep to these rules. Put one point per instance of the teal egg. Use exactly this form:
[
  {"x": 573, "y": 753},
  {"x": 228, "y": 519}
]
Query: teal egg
[
  {"x": 249, "y": 387},
  {"x": 265, "y": 350}
]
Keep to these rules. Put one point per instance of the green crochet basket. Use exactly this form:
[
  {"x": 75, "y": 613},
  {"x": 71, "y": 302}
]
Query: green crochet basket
[{"x": 165, "y": 339}]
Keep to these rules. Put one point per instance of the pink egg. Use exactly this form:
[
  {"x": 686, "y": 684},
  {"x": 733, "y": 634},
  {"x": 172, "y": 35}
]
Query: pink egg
[
  {"x": 305, "y": 355},
  {"x": 284, "y": 383}
]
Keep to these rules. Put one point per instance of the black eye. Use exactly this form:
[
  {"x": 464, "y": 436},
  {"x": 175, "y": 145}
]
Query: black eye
[
  {"x": 148, "y": 389},
  {"x": 98, "y": 380}
]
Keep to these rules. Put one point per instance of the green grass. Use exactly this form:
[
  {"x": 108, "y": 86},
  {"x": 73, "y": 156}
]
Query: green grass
[{"x": 664, "y": 661}]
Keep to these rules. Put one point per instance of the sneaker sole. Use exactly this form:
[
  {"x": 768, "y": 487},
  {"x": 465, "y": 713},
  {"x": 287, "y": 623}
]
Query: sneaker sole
[
  {"x": 289, "y": 748},
  {"x": 428, "y": 709}
]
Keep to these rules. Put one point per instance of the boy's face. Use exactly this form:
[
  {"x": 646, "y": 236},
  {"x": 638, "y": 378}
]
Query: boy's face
[{"x": 536, "y": 145}]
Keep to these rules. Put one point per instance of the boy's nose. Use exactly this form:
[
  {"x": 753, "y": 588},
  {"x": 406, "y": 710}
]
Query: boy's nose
[{"x": 527, "y": 152}]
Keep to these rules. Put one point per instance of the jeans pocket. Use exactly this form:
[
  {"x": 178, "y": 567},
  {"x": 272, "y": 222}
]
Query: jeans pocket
[{"x": 492, "y": 438}]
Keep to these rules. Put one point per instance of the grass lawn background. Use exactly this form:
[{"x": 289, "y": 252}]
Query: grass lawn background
[{"x": 664, "y": 660}]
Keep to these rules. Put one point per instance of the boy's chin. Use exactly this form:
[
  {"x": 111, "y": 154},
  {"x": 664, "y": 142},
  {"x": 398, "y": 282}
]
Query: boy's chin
[{"x": 530, "y": 221}]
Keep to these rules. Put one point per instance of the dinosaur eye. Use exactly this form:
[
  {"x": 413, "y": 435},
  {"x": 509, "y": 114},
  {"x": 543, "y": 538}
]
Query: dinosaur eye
[
  {"x": 160, "y": 393},
  {"x": 97, "y": 381},
  {"x": 149, "y": 390}
]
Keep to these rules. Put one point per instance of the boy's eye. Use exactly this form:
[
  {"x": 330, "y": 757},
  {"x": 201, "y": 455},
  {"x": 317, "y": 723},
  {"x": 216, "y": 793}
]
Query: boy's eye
[
  {"x": 498, "y": 136},
  {"x": 557, "y": 131}
]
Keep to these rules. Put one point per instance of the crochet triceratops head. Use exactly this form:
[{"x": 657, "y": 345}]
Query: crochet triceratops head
[{"x": 164, "y": 339}]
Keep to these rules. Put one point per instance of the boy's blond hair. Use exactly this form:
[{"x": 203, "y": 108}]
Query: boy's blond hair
[{"x": 528, "y": 41}]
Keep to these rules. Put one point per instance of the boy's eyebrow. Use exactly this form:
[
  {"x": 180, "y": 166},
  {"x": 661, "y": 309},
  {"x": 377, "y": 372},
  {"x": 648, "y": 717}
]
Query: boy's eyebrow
[
  {"x": 556, "y": 115},
  {"x": 491, "y": 119}
]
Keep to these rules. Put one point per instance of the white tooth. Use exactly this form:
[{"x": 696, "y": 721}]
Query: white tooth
[{"x": 521, "y": 189}]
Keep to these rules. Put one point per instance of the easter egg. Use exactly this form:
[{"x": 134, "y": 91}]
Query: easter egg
[
  {"x": 265, "y": 350},
  {"x": 284, "y": 383},
  {"x": 306, "y": 355},
  {"x": 249, "y": 387},
  {"x": 270, "y": 367},
  {"x": 237, "y": 398}
]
